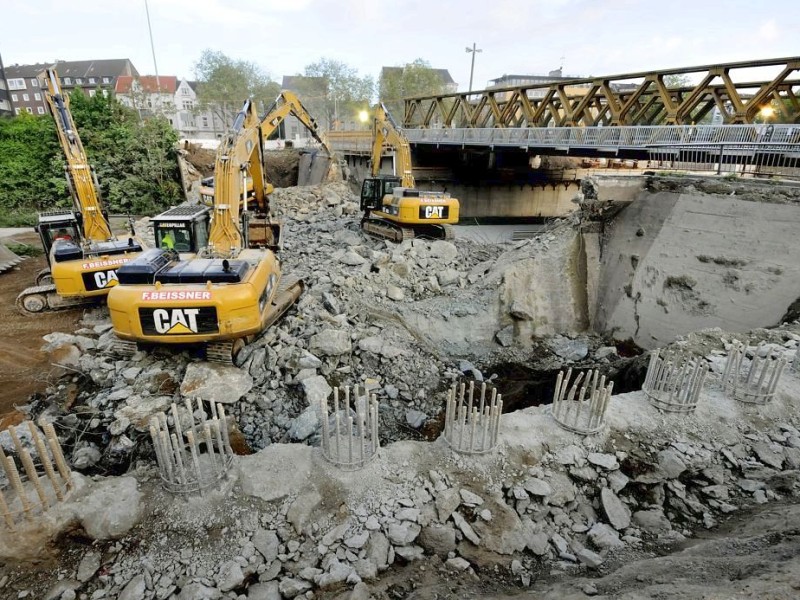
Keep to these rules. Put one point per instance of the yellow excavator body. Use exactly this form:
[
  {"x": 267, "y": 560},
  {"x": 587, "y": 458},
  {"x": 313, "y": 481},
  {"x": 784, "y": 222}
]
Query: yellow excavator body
[
  {"x": 234, "y": 287},
  {"x": 170, "y": 313},
  {"x": 82, "y": 252},
  {"x": 393, "y": 206}
]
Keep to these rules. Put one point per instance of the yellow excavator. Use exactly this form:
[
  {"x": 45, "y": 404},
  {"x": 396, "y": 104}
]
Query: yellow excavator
[
  {"x": 234, "y": 288},
  {"x": 393, "y": 208},
  {"x": 82, "y": 253}
]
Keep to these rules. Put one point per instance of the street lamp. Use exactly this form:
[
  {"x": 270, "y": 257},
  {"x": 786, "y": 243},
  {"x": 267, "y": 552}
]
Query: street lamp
[
  {"x": 363, "y": 116},
  {"x": 474, "y": 51},
  {"x": 767, "y": 112}
]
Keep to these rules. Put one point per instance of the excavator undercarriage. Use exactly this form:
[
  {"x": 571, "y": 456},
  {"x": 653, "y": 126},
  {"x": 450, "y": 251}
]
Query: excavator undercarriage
[{"x": 389, "y": 230}]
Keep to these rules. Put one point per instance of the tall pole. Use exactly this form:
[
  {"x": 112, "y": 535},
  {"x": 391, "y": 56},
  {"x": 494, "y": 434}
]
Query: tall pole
[
  {"x": 153, "y": 50},
  {"x": 473, "y": 50}
]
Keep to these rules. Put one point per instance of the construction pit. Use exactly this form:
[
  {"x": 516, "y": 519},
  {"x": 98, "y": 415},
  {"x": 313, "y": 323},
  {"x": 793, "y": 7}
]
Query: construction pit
[{"x": 343, "y": 458}]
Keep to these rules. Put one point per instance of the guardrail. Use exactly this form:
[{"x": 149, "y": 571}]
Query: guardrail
[
  {"x": 759, "y": 148},
  {"x": 632, "y": 137},
  {"x": 763, "y": 158},
  {"x": 635, "y": 137}
]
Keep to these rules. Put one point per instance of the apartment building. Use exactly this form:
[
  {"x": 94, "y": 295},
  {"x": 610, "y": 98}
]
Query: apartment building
[
  {"x": 5, "y": 99},
  {"x": 26, "y": 83}
]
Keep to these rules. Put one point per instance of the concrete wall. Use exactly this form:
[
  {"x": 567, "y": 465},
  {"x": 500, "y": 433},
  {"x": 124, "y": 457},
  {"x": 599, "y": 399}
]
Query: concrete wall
[
  {"x": 514, "y": 201},
  {"x": 673, "y": 263},
  {"x": 313, "y": 168}
]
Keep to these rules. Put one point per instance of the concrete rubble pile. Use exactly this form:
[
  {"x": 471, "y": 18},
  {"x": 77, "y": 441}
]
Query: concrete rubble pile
[
  {"x": 387, "y": 317},
  {"x": 396, "y": 319},
  {"x": 291, "y": 525}
]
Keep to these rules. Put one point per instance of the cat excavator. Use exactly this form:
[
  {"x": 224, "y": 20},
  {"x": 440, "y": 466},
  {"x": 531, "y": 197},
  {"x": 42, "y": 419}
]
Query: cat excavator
[
  {"x": 393, "y": 207},
  {"x": 82, "y": 254},
  {"x": 233, "y": 289}
]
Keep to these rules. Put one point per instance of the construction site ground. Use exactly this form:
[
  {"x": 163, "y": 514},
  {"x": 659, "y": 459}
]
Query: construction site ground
[
  {"x": 654, "y": 506},
  {"x": 24, "y": 368}
]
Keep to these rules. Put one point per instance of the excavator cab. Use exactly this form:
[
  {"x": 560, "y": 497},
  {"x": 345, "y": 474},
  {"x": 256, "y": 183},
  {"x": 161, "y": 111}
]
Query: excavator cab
[
  {"x": 375, "y": 189},
  {"x": 182, "y": 228},
  {"x": 55, "y": 226}
]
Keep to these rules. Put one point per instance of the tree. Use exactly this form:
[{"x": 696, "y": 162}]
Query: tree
[
  {"x": 413, "y": 79},
  {"x": 224, "y": 84},
  {"x": 344, "y": 95},
  {"x": 31, "y": 176},
  {"x": 135, "y": 160},
  {"x": 676, "y": 81}
]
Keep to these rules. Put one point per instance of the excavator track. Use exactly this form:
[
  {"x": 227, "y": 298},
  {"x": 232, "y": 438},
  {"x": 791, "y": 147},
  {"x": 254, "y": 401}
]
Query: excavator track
[
  {"x": 221, "y": 352},
  {"x": 44, "y": 298},
  {"x": 387, "y": 230},
  {"x": 289, "y": 291}
]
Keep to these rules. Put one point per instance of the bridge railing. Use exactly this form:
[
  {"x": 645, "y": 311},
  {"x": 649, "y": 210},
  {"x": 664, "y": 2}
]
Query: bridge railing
[
  {"x": 610, "y": 138},
  {"x": 741, "y": 158}
]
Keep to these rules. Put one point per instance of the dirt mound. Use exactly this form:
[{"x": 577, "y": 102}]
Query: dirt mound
[
  {"x": 200, "y": 158},
  {"x": 282, "y": 167}
]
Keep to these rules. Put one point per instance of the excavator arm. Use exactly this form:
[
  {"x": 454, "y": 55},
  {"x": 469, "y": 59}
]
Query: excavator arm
[
  {"x": 289, "y": 104},
  {"x": 240, "y": 155},
  {"x": 80, "y": 175},
  {"x": 386, "y": 132}
]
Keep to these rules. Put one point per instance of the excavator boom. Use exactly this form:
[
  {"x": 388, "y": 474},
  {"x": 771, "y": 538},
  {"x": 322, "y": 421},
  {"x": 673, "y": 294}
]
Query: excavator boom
[
  {"x": 386, "y": 132},
  {"x": 80, "y": 175},
  {"x": 240, "y": 158}
]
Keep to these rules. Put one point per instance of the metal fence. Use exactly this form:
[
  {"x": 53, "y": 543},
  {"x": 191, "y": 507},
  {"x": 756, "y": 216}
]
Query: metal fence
[
  {"x": 609, "y": 138},
  {"x": 781, "y": 160}
]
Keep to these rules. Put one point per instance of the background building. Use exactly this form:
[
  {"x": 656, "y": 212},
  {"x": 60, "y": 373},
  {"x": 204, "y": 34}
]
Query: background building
[
  {"x": 5, "y": 99},
  {"x": 554, "y": 76},
  {"x": 26, "y": 83},
  {"x": 174, "y": 99}
]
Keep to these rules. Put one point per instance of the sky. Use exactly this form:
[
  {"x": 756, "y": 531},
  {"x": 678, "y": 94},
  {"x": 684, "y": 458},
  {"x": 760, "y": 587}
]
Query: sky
[{"x": 586, "y": 37}]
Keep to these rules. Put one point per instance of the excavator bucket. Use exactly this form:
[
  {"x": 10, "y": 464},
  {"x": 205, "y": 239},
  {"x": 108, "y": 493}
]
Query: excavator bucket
[
  {"x": 7, "y": 259},
  {"x": 266, "y": 233}
]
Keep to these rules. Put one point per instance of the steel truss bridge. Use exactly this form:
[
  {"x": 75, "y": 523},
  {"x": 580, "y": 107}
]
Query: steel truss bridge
[
  {"x": 761, "y": 148},
  {"x": 645, "y": 98}
]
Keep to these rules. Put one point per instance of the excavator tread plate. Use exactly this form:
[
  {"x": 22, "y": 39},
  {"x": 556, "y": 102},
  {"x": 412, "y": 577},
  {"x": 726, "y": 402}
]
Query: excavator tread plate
[
  {"x": 220, "y": 352},
  {"x": 44, "y": 298},
  {"x": 123, "y": 348}
]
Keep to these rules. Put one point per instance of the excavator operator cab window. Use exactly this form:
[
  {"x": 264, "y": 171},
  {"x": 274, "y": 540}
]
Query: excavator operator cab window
[
  {"x": 389, "y": 186},
  {"x": 174, "y": 238},
  {"x": 52, "y": 232},
  {"x": 200, "y": 234}
]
